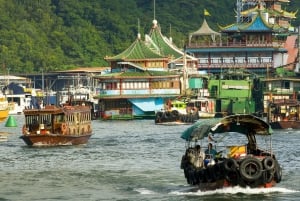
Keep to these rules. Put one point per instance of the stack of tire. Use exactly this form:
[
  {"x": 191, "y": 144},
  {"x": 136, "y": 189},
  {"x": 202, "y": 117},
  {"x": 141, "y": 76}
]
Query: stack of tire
[
  {"x": 252, "y": 171},
  {"x": 174, "y": 115}
]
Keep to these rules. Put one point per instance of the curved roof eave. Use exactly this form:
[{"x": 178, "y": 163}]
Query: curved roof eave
[
  {"x": 258, "y": 24},
  {"x": 137, "y": 50},
  {"x": 165, "y": 46}
]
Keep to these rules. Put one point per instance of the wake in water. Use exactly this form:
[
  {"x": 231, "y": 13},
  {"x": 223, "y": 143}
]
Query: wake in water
[{"x": 235, "y": 190}]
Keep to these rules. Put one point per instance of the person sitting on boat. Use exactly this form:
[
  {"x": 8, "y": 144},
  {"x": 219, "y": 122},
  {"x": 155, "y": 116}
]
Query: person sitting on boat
[
  {"x": 210, "y": 152},
  {"x": 200, "y": 156},
  {"x": 210, "y": 155}
]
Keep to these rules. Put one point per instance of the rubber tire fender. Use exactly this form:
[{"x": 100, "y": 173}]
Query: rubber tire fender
[
  {"x": 269, "y": 163},
  {"x": 247, "y": 166},
  {"x": 268, "y": 176},
  {"x": 230, "y": 164},
  {"x": 278, "y": 173}
]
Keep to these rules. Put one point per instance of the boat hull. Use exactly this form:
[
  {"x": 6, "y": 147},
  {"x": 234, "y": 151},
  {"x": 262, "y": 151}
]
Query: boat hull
[
  {"x": 230, "y": 173},
  {"x": 285, "y": 124},
  {"x": 54, "y": 140}
]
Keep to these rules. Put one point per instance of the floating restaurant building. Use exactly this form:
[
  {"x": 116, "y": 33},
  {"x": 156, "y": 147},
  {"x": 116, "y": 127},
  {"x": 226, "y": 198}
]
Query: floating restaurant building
[
  {"x": 140, "y": 82},
  {"x": 261, "y": 39}
]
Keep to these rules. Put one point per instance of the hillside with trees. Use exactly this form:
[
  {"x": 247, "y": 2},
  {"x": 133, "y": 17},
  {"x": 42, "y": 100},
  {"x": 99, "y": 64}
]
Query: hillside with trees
[{"x": 50, "y": 35}]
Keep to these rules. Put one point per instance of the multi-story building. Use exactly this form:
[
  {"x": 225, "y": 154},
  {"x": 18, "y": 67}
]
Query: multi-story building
[{"x": 261, "y": 39}]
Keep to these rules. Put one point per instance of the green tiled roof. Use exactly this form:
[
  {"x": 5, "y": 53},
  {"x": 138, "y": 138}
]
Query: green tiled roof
[
  {"x": 258, "y": 24},
  {"x": 137, "y": 50},
  {"x": 164, "y": 46}
]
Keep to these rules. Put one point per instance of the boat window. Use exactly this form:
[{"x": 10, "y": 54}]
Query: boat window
[{"x": 59, "y": 118}]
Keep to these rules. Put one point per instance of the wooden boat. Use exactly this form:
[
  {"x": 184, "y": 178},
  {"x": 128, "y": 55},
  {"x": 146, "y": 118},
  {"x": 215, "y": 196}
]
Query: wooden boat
[
  {"x": 245, "y": 165},
  {"x": 52, "y": 126},
  {"x": 284, "y": 114}
]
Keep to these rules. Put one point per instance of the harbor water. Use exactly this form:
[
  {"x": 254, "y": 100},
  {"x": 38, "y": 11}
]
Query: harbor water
[{"x": 126, "y": 160}]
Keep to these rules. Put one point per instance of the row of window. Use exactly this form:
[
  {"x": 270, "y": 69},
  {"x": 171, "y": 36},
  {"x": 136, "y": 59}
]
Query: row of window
[{"x": 137, "y": 85}]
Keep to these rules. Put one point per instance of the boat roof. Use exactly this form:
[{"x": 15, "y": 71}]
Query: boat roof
[
  {"x": 51, "y": 109},
  {"x": 242, "y": 123}
]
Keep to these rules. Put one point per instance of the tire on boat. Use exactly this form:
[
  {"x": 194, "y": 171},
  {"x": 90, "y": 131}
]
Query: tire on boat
[
  {"x": 278, "y": 172},
  {"x": 230, "y": 164},
  {"x": 175, "y": 113},
  {"x": 202, "y": 176},
  {"x": 219, "y": 171},
  {"x": 233, "y": 177},
  {"x": 268, "y": 176},
  {"x": 194, "y": 177},
  {"x": 184, "y": 162},
  {"x": 182, "y": 118},
  {"x": 187, "y": 119},
  {"x": 211, "y": 175},
  {"x": 251, "y": 169},
  {"x": 269, "y": 163},
  {"x": 158, "y": 117}
]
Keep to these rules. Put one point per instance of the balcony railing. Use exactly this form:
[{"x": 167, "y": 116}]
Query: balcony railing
[{"x": 236, "y": 44}]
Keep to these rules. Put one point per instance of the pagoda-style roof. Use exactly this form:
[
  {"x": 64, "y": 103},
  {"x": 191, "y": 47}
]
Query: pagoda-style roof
[
  {"x": 138, "y": 50},
  {"x": 204, "y": 30},
  {"x": 257, "y": 25},
  {"x": 161, "y": 44}
]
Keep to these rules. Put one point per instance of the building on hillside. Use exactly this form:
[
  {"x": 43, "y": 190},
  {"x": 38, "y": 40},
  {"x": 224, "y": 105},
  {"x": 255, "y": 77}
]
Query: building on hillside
[{"x": 260, "y": 40}]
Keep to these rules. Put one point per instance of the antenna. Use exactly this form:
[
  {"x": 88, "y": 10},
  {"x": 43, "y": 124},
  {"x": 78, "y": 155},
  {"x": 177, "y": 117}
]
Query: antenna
[
  {"x": 139, "y": 34},
  {"x": 154, "y": 9}
]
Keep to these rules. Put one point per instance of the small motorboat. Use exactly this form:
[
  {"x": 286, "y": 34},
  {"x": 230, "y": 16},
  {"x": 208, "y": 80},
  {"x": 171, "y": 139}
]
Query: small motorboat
[{"x": 247, "y": 164}]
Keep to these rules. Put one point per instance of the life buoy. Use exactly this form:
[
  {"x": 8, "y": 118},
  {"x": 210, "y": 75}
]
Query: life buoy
[
  {"x": 269, "y": 163},
  {"x": 230, "y": 164},
  {"x": 251, "y": 169},
  {"x": 24, "y": 129}
]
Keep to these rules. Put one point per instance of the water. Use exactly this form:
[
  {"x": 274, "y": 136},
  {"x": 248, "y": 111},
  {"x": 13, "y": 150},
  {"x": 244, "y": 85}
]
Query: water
[{"x": 125, "y": 160}]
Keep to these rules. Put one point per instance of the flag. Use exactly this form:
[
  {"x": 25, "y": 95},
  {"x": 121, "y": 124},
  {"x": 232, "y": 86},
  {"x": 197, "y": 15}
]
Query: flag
[{"x": 206, "y": 13}]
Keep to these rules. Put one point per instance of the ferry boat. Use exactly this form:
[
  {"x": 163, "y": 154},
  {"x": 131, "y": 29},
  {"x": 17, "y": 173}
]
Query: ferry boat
[
  {"x": 242, "y": 153},
  {"x": 54, "y": 126}
]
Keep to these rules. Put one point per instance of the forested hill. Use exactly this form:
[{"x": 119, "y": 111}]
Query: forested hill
[{"x": 49, "y": 35}]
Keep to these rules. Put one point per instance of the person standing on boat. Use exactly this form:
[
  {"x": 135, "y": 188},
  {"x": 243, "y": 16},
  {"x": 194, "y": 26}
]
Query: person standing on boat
[{"x": 200, "y": 156}]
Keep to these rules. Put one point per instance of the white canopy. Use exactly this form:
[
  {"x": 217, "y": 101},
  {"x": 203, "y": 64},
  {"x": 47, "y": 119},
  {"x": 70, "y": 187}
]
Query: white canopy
[{"x": 204, "y": 30}]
